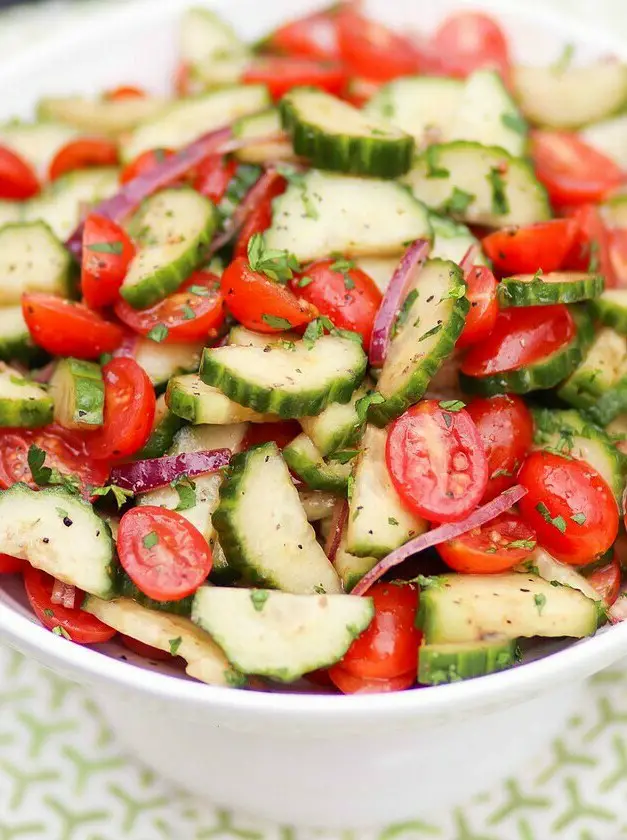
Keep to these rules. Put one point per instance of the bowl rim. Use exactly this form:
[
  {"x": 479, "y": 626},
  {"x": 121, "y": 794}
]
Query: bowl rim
[{"x": 579, "y": 658}]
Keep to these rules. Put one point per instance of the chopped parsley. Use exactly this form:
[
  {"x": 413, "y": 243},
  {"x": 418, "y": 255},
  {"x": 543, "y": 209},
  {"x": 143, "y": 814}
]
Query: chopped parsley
[
  {"x": 188, "y": 313},
  {"x": 579, "y": 518},
  {"x": 302, "y": 282},
  {"x": 433, "y": 582},
  {"x": 558, "y": 521},
  {"x": 175, "y": 645},
  {"x": 526, "y": 544},
  {"x": 350, "y": 487},
  {"x": 259, "y": 598},
  {"x": 343, "y": 456},
  {"x": 120, "y": 495},
  {"x": 49, "y": 613},
  {"x": 61, "y": 631},
  {"x": 433, "y": 170},
  {"x": 18, "y": 380},
  {"x": 392, "y": 521},
  {"x": 516, "y": 122},
  {"x": 452, "y": 405},
  {"x": 278, "y": 266},
  {"x": 150, "y": 540},
  {"x": 362, "y": 405},
  {"x": 275, "y": 322},
  {"x": 158, "y": 333},
  {"x": 313, "y": 332},
  {"x": 500, "y": 204},
  {"x": 502, "y": 473},
  {"x": 403, "y": 312},
  {"x": 43, "y": 475},
  {"x": 433, "y": 331},
  {"x": 540, "y": 601},
  {"x": 201, "y": 291},
  {"x": 565, "y": 59},
  {"x": 298, "y": 180},
  {"x": 458, "y": 202},
  {"x": 106, "y": 247},
  {"x": 186, "y": 490},
  {"x": 319, "y": 589},
  {"x": 343, "y": 267}
]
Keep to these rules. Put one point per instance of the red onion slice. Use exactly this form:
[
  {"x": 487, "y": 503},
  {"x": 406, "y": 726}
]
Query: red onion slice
[
  {"x": 63, "y": 594},
  {"x": 618, "y": 611},
  {"x": 406, "y": 273},
  {"x": 441, "y": 534},
  {"x": 141, "y": 476},
  {"x": 468, "y": 260},
  {"x": 338, "y": 523}
]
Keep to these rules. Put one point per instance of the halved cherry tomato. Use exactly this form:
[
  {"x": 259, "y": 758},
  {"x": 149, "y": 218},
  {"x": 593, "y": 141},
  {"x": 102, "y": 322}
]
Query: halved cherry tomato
[
  {"x": 342, "y": 292},
  {"x": 570, "y": 507},
  {"x": 520, "y": 337},
  {"x": 107, "y": 252},
  {"x": 349, "y": 684},
  {"x": 388, "y": 648},
  {"x": 18, "y": 180},
  {"x": 129, "y": 411},
  {"x": 125, "y": 92},
  {"x": 65, "y": 328},
  {"x": 437, "y": 462},
  {"x": 213, "y": 176},
  {"x": 484, "y": 308},
  {"x": 81, "y": 153},
  {"x": 618, "y": 256},
  {"x": 469, "y": 41},
  {"x": 193, "y": 313},
  {"x": 591, "y": 248},
  {"x": 260, "y": 217},
  {"x": 505, "y": 426},
  {"x": 313, "y": 36},
  {"x": 606, "y": 579},
  {"x": 147, "y": 651},
  {"x": 282, "y": 73},
  {"x": 81, "y": 627},
  {"x": 143, "y": 163},
  {"x": 571, "y": 170},
  {"x": 65, "y": 450},
  {"x": 261, "y": 304},
  {"x": 525, "y": 250},
  {"x": 10, "y": 565},
  {"x": 496, "y": 547},
  {"x": 281, "y": 433},
  {"x": 162, "y": 553},
  {"x": 371, "y": 50}
]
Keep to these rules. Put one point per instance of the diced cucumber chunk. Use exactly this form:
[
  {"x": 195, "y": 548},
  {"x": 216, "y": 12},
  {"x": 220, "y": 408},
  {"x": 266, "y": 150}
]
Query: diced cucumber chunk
[
  {"x": 447, "y": 663},
  {"x": 551, "y": 570},
  {"x": 266, "y": 535},
  {"x": 349, "y": 567},
  {"x": 600, "y": 371},
  {"x": 15, "y": 341},
  {"x": 189, "y": 397},
  {"x": 317, "y": 505},
  {"x": 610, "y": 138},
  {"x": 163, "y": 361},
  {"x": 100, "y": 116},
  {"x": 22, "y": 402},
  {"x": 77, "y": 388},
  {"x": 36, "y": 142},
  {"x": 380, "y": 269},
  {"x": 60, "y": 534},
  {"x": 242, "y": 337},
  {"x": 262, "y": 125},
  {"x": 303, "y": 459},
  {"x": 278, "y": 635},
  {"x": 611, "y": 309},
  {"x": 164, "y": 428},
  {"x": 337, "y": 427},
  {"x": 548, "y": 289},
  {"x": 125, "y": 588},
  {"x": 452, "y": 241},
  {"x": 325, "y": 213},
  {"x": 32, "y": 260}
]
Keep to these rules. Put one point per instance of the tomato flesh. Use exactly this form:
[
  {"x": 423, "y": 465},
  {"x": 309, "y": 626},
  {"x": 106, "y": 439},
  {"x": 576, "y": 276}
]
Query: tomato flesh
[
  {"x": 10, "y": 565},
  {"x": 525, "y": 250},
  {"x": 371, "y": 50},
  {"x": 282, "y": 73},
  {"x": 570, "y": 507},
  {"x": 83, "y": 153},
  {"x": 350, "y": 684},
  {"x": 591, "y": 249},
  {"x": 313, "y": 36},
  {"x": 259, "y": 218},
  {"x": 213, "y": 176},
  {"x": 144, "y": 163},
  {"x": 107, "y": 253},
  {"x": 469, "y": 41},
  {"x": 280, "y": 433},
  {"x": 437, "y": 462},
  {"x": 18, "y": 180},
  {"x": 496, "y": 547},
  {"x": 484, "y": 308},
  {"x": 606, "y": 579}
]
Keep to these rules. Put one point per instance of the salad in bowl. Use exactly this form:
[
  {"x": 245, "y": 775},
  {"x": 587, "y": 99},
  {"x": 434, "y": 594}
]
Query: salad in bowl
[{"x": 315, "y": 371}]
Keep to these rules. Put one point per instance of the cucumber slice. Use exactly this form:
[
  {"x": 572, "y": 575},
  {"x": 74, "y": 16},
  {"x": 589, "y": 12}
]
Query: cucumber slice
[
  {"x": 264, "y": 124},
  {"x": 349, "y": 567},
  {"x": 11, "y": 211},
  {"x": 452, "y": 241},
  {"x": 241, "y": 337},
  {"x": 36, "y": 142},
  {"x": 487, "y": 114},
  {"x": 22, "y": 402},
  {"x": 378, "y": 522},
  {"x": 380, "y": 269},
  {"x": 187, "y": 119},
  {"x": 294, "y": 382},
  {"x": 317, "y": 505},
  {"x": 551, "y": 570},
  {"x": 163, "y": 361},
  {"x": 337, "y": 427},
  {"x": 189, "y": 397},
  {"x": 164, "y": 428},
  {"x": 170, "y": 633},
  {"x": 204, "y": 34},
  {"x": 219, "y": 71},
  {"x": 278, "y": 635},
  {"x": 610, "y": 405},
  {"x": 473, "y": 608},
  {"x": 324, "y": 213},
  {"x": 547, "y": 289},
  {"x": 479, "y": 185},
  {"x": 423, "y": 106},
  {"x": 610, "y": 138},
  {"x": 611, "y": 309},
  {"x": 60, "y": 534},
  {"x": 100, "y": 116},
  {"x": 446, "y": 663},
  {"x": 602, "y": 368},
  {"x": 32, "y": 260},
  {"x": 15, "y": 341},
  {"x": 303, "y": 459},
  {"x": 266, "y": 535},
  {"x": 433, "y": 323},
  {"x": 77, "y": 388},
  {"x": 125, "y": 588},
  {"x": 338, "y": 137},
  {"x": 573, "y": 96},
  {"x": 171, "y": 228}
]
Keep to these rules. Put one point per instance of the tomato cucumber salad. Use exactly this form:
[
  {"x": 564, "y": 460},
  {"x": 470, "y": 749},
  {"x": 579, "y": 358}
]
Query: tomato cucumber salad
[{"x": 315, "y": 371}]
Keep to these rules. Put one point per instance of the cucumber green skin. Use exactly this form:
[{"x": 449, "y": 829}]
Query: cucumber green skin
[
  {"x": 414, "y": 390},
  {"x": 21, "y": 349},
  {"x": 378, "y": 157},
  {"x": 88, "y": 391},
  {"x": 127, "y": 589},
  {"x": 315, "y": 476},
  {"x": 181, "y": 404},
  {"x": 26, "y": 414},
  {"x": 161, "y": 438},
  {"x": 610, "y": 314},
  {"x": 512, "y": 292},
  {"x": 276, "y": 400},
  {"x": 436, "y": 666}
]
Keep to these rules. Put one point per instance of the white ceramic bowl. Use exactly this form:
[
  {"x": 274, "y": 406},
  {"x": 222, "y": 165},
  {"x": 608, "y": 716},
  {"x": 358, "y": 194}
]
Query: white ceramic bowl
[{"x": 311, "y": 760}]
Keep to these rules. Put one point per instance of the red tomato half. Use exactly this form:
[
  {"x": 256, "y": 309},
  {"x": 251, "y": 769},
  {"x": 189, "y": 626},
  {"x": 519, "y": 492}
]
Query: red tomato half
[
  {"x": 606, "y": 579},
  {"x": 437, "y": 462},
  {"x": 65, "y": 328},
  {"x": 282, "y": 73},
  {"x": 125, "y": 92},
  {"x": 80, "y": 626},
  {"x": 348, "y": 297},
  {"x": 469, "y": 41},
  {"x": 281, "y": 433},
  {"x": 213, "y": 176},
  {"x": 129, "y": 411},
  {"x": 570, "y": 507},
  {"x": 10, "y": 565},
  {"x": 313, "y": 36},
  {"x": 525, "y": 250},
  {"x": 373, "y": 51},
  {"x": 107, "y": 252},
  {"x": 349, "y": 684},
  {"x": 484, "y": 308},
  {"x": 591, "y": 248},
  {"x": 83, "y": 153},
  {"x": 162, "y": 553},
  {"x": 143, "y": 163},
  {"x": 193, "y": 313},
  {"x": 572, "y": 171},
  {"x": 520, "y": 337},
  {"x": 18, "y": 180},
  {"x": 505, "y": 426},
  {"x": 260, "y": 216},
  {"x": 493, "y": 548}
]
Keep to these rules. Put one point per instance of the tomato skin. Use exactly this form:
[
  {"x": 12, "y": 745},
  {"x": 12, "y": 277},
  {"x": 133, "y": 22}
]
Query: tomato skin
[
  {"x": 65, "y": 328},
  {"x": 18, "y": 180},
  {"x": 174, "y": 311},
  {"x": 520, "y": 337},
  {"x": 618, "y": 257},
  {"x": 176, "y": 563},
  {"x": 143, "y": 163},
  {"x": 260, "y": 217},
  {"x": 81, "y": 153},
  {"x": 281, "y": 433},
  {"x": 353, "y": 308},
  {"x": 568, "y": 488},
  {"x": 525, "y": 250},
  {"x": 125, "y": 92},
  {"x": 572, "y": 171},
  {"x": 250, "y": 295},
  {"x": 437, "y": 462},
  {"x": 484, "y": 308},
  {"x": 607, "y": 580},
  {"x": 10, "y": 565},
  {"x": 350, "y": 684},
  {"x": 313, "y": 36},
  {"x": 82, "y": 627},
  {"x": 371, "y": 50},
  {"x": 103, "y": 272},
  {"x": 282, "y": 73},
  {"x": 591, "y": 249},
  {"x": 469, "y": 41},
  {"x": 213, "y": 176},
  {"x": 505, "y": 426},
  {"x": 485, "y": 551},
  {"x": 388, "y": 648}
]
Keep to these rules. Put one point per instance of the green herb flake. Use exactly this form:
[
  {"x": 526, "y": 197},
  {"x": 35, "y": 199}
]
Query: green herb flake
[
  {"x": 302, "y": 282},
  {"x": 277, "y": 265},
  {"x": 61, "y": 631},
  {"x": 188, "y": 313},
  {"x": 515, "y": 122},
  {"x": 150, "y": 540},
  {"x": 298, "y": 180},
  {"x": 106, "y": 247},
  {"x": 43, "y": 475},
  {"x": 344, "y": 267},
  {"x": 319, "y": 589},
  {"x": 404, "y": 311},
  {"x": 362, "y": 405},
  {"x": 175, "y": 645},
  {"x": 392, "y": 520},
  {"x": 540, "y": 601},
  {"x": 531, "y": 567},
  {"x": 18, "y": 380},
  {"x": 433, "y": 582},
  {"x": 105, "y": 358},
  {"x": 528, "y": 545},
  {"x": 158, "y": 333},
  {"x": 500, "y": 204},
  {"x": 62, "y": 513},
  {"x": 275, "y": 322},
  {"x": 433, "y": 170},
  {"x": 186, "y": 490},
  {"x": 350, "y": 487},
  {"x": 433, "y": 331},
  {"x": 458, "y": 202},
  {"x": 537, "y": 276},
  {"x": 49, "y": 613},
  {"x": 343, "y": 456},
  {"x": 200, "y": 291},
  {"x": 452, "y": 405},
  {"x": 259, "y": 598},
  {"x": 544, "y": 511},
  {"x": 120, "y": 495},
  {"x": 579, "y": 518},
  {"x": 313, "y": 332},
  {"x": 565, "y": 59},
  {"x": 501, "y": 473},
  {"x": 560, "y": 523}
]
